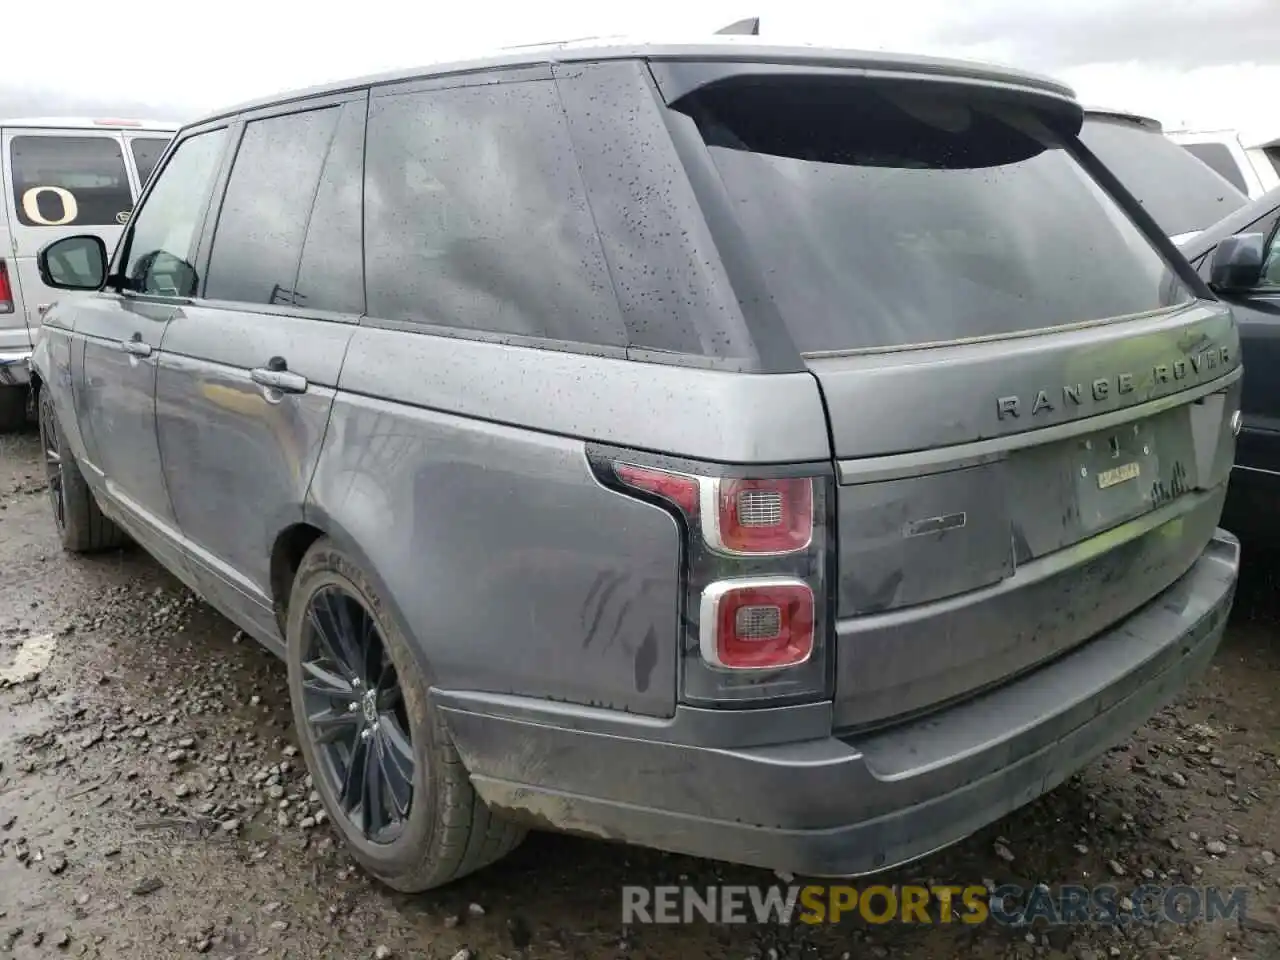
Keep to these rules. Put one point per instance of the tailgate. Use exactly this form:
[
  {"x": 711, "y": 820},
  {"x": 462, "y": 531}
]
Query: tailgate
[{"x": 1001, "y": 503}]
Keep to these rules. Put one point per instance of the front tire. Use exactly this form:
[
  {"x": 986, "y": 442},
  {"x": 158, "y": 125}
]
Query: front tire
[
  {"x": 82, "y": 526},
  {"x": 381, "y": 758}
]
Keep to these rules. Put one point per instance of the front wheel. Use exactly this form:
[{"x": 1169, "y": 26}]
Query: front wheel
[
  {"x": 380, "y": 755},
  {"x": 82, "y": 526}
]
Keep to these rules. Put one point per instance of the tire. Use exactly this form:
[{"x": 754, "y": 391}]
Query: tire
[
  {"x": 447, "y": 831},
  {"x": 82, "y": 526},
  {"x": 13, "y": 409}
]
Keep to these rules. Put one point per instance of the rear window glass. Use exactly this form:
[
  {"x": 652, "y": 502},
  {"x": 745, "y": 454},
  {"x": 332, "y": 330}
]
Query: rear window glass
[
  {"x": 1217, "y": 156},
  {"x": 1182, "y": 194},
  {"x": 1273, "y": 154},
  {"x": 146, "y": 154},
  {"x": 886, "y": 216},
  {"x": 69, "y": 181}
]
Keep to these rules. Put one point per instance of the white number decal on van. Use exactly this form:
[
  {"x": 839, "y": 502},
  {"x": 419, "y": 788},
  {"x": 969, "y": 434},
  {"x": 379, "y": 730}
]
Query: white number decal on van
[{"x": 31, "y": 206}]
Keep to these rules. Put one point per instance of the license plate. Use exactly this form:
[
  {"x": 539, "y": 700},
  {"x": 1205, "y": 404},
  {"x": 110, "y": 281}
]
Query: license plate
[{"x": 1116, "y": 475}]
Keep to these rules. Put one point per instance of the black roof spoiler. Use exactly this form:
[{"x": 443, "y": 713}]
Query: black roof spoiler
[{"x": 749, "y": 27}]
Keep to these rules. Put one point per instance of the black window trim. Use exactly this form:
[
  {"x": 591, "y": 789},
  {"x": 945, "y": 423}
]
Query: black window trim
[
  {"x": 204, "y": 249},
  {"x": 115, "y": 278}
]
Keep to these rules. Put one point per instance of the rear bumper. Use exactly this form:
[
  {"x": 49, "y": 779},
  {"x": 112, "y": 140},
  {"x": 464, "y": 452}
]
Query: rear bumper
[
  {"x": 827, "y": 805},
  {"x": 15, "y": 367}
]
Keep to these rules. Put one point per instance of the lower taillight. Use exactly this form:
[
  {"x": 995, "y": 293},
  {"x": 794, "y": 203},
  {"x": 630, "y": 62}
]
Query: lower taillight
[
  {"x": 756, "y": 624},
  {"x": 755, "y": 610},
  {"x": 6, "y": 289}
]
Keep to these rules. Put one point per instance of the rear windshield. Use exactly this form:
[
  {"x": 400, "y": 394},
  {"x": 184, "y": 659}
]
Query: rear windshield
[
  {"x": 1181, "y": 192},
  {"x": 888, "y": 216},
  {"x": 1218, "y": 157},
  {"x": 69, "y": 181}
]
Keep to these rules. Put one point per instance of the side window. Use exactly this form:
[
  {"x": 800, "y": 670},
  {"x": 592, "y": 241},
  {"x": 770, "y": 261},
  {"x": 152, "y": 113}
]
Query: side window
[
  {"x": 1271, "y": 265},
  {"x": 146, "y": 154},
  {"x": 258, "y": 240},
  {"x": 331, "y": 275},
  {"x": 163, "y": 235},
  {"x": 1217, "y": 156},
  {"x": 476, "y": 216},
  {"x": 1273, "y": 154},
  {"x": 69, "y": 181}
]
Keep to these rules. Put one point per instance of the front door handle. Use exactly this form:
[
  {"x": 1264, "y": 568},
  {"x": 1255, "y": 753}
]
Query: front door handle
[
  {"x": 281, "y": 380},
  {"x": 138, "y": 348}
]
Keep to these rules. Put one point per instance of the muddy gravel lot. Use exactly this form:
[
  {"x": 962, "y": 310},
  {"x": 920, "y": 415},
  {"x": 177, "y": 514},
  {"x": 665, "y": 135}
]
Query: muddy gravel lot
[{"x": 153, "y": 804}]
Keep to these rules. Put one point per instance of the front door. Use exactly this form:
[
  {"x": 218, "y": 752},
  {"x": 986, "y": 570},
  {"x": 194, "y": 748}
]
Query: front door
[
  {"x": 119, "y": 333},
  {"x": 249, "y": 370}
]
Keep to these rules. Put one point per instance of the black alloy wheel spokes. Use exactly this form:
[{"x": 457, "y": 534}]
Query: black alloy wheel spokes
[
  {"x": 356, "y": 715},
  {"x": 52, "y": 464}
]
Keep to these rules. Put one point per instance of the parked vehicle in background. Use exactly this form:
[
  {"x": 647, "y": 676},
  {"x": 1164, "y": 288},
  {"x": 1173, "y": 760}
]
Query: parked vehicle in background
[
  {"x": 1251, "y": 163},
  {"x": 791, "y": 456},
  {"x": 61, "y": 176},
  {"x": 1240, "y": 259},
  {"x": 1182, "y": 195}
]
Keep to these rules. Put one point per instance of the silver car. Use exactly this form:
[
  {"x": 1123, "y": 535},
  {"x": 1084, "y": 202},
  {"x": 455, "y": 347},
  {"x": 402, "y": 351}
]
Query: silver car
[{"x": 795, "y": 457}]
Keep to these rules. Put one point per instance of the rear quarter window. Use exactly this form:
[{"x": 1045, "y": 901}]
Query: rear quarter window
[
  {"x": 69, "y": 181},
  {"x": 883, "y": 216},
  {"x": 476, "y": 217}
]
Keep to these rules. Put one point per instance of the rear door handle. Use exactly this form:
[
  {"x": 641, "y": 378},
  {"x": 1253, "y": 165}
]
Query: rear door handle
[
  {"x": 281, "y": 380},
  {"x": 138, "y": 348}
]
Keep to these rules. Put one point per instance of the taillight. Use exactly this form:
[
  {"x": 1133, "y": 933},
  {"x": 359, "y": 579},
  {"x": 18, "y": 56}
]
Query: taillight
[
  {"x": 757, "y": 624},
  {"x": 758, "y": 516},
  {"x": 6, "y": 289},
  {"x": 756, "y": 551}
]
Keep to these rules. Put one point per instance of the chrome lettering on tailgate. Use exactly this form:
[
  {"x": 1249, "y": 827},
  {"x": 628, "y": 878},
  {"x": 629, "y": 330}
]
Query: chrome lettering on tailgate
[{"x": 1082, "y": 396}]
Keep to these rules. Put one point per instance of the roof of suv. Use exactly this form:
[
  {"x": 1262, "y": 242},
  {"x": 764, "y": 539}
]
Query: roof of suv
[
  {"x": 722, "y": 47},
  {"x": 89, "y": 123}
]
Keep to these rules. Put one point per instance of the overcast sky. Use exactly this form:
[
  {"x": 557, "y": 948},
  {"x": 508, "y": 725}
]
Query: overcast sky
[{"x": 1185, "y": 62}]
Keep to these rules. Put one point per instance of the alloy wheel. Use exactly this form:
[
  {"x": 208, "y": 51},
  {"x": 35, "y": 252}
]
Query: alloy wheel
[
  {"x": 355, "y": 715},
  {"x": 52, "y": 464}
]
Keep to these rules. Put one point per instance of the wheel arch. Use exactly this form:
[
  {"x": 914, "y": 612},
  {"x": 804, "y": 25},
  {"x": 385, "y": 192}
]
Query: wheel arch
[{"x": 291, "y": 545}]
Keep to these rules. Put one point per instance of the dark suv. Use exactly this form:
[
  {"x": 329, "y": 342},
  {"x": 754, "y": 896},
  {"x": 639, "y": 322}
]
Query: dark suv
[{"x": 796, "y": 457}]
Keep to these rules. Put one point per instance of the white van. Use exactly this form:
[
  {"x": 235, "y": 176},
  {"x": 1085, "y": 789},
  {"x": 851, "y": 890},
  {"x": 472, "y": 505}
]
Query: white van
[
  {"x": 61, "y": 176},
  {"x": 1250, "y": 162}
]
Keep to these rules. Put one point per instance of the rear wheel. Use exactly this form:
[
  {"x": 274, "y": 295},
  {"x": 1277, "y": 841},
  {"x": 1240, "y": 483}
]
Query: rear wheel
[
  {"x": 380, "y": 755},
  {"x": 82, "y": 527},
  {"x": 13, "y": 409}
]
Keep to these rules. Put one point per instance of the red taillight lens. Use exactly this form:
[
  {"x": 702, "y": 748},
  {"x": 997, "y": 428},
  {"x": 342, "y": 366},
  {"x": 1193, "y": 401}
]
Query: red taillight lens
[
  {"x": 673, "y": 487},
  {"x": 766, "y": 517},
  {"x": 6, "y": 291},
  {"x": 760, "y": 624}
]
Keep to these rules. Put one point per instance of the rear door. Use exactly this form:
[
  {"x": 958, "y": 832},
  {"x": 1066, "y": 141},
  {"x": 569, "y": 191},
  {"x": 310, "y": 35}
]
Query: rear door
[
  {"x": 59, "y": 183},
  {"x": 1019, "y": 388},
  {"x": 248, "y": 370}
]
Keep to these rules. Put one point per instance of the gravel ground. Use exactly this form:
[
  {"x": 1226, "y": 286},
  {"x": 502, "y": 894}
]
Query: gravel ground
[{"x": 153, "y": 805}]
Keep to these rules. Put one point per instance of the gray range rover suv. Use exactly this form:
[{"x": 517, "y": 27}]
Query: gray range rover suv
[{"x": 789, "y": 456}]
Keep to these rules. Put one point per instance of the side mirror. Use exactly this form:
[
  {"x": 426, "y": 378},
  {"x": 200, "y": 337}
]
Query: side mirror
[
  {"x": 1236, "y": 263},
  {"x": 74, "y": 263}
]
